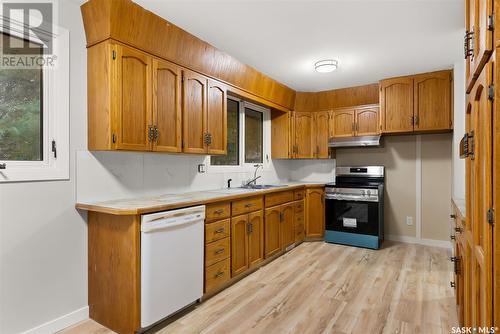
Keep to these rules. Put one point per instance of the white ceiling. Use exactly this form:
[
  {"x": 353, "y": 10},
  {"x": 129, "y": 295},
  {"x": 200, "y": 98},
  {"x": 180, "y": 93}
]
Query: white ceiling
[{"x": 372, "y": 39}]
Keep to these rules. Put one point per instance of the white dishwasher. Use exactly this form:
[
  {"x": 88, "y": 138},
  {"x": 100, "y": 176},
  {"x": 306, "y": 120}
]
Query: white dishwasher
[{"x": 171, "y": 262}]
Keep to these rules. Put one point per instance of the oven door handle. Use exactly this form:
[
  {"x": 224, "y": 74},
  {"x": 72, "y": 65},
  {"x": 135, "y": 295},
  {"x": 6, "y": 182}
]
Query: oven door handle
[{"x": 351, "y": 198}]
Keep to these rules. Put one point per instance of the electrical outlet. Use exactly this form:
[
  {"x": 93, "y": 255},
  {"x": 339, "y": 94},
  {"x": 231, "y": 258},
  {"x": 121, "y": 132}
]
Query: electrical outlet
[
  {"x": 409, "y": 220},
  {"x": 201, "y": 168}
]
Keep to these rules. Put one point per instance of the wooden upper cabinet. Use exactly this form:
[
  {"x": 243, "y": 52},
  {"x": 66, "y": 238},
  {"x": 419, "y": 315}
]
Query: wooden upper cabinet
[
  {"x": 194, "y": 112},
  {"x": 133, "y": 94},
  {"x": 396, "y": 103},
  {"x": 315, "y": 212},
  {"x": 217, "y": 118},
  {"x": 432, "y": 93},
  {"x": 272, "y": 231},
  {"x": 343, "y": 123},
  {"x": 303, "y": 122},
  {"x": 255, "y": 238},
  {"x": 367, "y": 121},
  {"x": 479, "y": 22},
  {"x": 167, "y": 112},
  {"x": 239, "y": 245},
  {"x": 321, "y": 134}
]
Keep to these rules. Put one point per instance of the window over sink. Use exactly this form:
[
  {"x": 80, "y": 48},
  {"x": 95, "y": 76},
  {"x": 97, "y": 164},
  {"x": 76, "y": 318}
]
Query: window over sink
[{"x": 248, "y": 137}]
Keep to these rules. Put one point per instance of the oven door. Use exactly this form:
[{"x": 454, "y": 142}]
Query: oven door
[{"x": 352, "y": 216}]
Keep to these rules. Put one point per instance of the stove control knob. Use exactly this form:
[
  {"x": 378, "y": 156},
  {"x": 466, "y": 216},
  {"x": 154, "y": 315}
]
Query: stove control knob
[
  {"x": 368, "y": 193},
  {"x": 363, "y": 192}
]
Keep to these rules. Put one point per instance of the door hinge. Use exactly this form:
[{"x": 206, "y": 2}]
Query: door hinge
[
  {"x": 491, "y": 22},
  {"x": 471, "y": 145},
  {"x": 54, "y": 148},
  {"x": 491, "y": 92},
  {"x": 113, "y": 138},
  {"x": 491, "y": 216},
  {"x": 113, "y": 54}
]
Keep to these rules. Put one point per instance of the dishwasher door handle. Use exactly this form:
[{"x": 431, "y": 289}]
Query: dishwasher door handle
[{"x": 162, "y": 224}]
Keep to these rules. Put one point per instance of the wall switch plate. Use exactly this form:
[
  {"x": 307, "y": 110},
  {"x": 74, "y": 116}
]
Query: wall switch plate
[
  {"x": 409, "y": 220},
  {"x": 202, "y": 168}
]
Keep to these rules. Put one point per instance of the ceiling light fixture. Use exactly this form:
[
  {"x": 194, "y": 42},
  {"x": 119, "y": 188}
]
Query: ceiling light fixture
[{"x": 326, "y": 66}]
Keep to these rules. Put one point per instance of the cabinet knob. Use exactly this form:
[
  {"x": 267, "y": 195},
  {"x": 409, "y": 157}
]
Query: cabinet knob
[{"x": 452, "y": 284}]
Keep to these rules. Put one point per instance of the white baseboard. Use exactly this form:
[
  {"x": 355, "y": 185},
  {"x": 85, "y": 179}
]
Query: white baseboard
[
  {"x": 61, "y": 322},
  {"x": 419, "y": 241}
]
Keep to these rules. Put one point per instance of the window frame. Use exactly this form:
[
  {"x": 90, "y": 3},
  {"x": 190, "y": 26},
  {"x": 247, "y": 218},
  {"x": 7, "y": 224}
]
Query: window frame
[
  {"x": 266, "y": 140},
  {"x": 55, "y": 117}
]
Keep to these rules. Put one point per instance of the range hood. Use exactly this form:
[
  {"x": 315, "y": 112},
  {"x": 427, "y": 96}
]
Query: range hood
[{"x": 361, "y": 141}]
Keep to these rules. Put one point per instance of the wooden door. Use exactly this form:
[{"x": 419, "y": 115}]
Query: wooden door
[
  {"x": 194, "y": 113},
  {"x": 315, "y": 213},
  {"x": 432, "y": 101},
  {"x": 367, "y": 121},
  {"x": 167, "y": 112},
  {"x": 133, "y": 104},
  {"x": 217, "y": 118},
  {"x": 239, "y": 245},
  {"x": 482, "y": 37},
  {"x": 321, "y": 134},
  {"x": 272, "y": 231},
  {"x": 255, "y": 238},
  {"x": 481, "y": 197},
  {"x": 343, "y": 123},
  {"x": 396, "y": 105},
  {"x": 287, "y": 225},
  {"x": 303, "y": 135}
]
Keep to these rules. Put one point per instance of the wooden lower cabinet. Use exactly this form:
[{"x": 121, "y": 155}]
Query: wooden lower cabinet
[
  {"x": 247, "y": 242},
  {"x": 315, "y": 213},
  {"x": 279, "y": 229}
]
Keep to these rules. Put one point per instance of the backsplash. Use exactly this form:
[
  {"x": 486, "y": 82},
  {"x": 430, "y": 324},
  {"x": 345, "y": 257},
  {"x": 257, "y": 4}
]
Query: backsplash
[{"x": 113, "y": 175}]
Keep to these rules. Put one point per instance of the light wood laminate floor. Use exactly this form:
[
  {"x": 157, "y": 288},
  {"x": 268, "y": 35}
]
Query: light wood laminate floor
[{"x": 324, "y": 288}]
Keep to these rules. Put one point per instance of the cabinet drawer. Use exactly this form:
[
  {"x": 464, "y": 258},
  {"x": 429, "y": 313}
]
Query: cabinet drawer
[
  {"x": 299, "y": 207},
  {"x": 279, "y": 198},
  {"x": 299, "y": 194},
  {"x": 217, "y": 230},
  {"x": 217, "y": 274},
  {"x": 247, "y": 205},
  {"x": 216, "y": 251},
  {"x": 217, "y": 211}
]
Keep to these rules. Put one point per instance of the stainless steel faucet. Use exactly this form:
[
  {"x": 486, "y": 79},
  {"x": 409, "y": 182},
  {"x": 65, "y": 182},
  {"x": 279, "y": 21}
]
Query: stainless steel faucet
[{"x": 255, "y": 177}]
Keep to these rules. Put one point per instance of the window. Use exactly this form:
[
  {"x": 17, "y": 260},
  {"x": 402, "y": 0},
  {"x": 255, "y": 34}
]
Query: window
[
  {"x": 34, "y": 112},
  {"x": 246, "y": 136}
]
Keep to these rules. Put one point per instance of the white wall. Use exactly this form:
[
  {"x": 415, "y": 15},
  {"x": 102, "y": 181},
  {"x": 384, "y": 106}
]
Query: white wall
[
  {"x": 458, "y": 165},
  {"x": 43, "y": 239}
]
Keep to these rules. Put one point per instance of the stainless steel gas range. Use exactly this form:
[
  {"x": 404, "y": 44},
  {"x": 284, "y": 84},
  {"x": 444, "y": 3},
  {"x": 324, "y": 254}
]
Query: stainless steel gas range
[{"x": 354, "y": 209}]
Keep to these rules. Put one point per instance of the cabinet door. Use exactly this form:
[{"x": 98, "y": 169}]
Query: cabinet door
[
  {"x": 396, "y": 105},
  {"x": 272, "y": 232},
  {"x": 167, "y": 112},
  {"x": 315, "y": 213},
  {"x": 133, "y": 105},
  {"x": 287, "y": 225},
  {"x": 217, "y": 118},
  {"x": 343, "y": 123},
  {"x": 482, "y": 199},
  {"x": 321, "y": 133},
  {"x": 255, "y": 238},
  {"x": 239, "y": 245},
  {"x": 367, "y": 121},
  {"x": 432, "y": 93},
  {"x": 303, "y": 135},
  {"x": 194, "y": 112},
  {"x": 482, "y": 37}
]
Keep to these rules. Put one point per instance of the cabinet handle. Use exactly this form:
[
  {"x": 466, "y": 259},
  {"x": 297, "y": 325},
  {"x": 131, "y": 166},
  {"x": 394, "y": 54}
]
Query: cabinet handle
[
  {"x": 452, "y": 237},
  {"x": 151, "y": 133},
  {"x": 220, "y": 230},
  {"x": 452, "y": 284},
  {"x": 219, "y": 274},
  {"x": 458, "y": 229},
  {"x": 219, "y": 211},
  {"x": 249, "y": 205},
  {"x": 156, "y": 133},
  {"x": 249, "y": 228},
  {"x": 218, "y": 251}
]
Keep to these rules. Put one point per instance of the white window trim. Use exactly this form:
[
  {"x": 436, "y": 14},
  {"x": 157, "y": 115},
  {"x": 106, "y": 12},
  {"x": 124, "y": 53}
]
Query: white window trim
[
  {"x": 266, "y": 141},
  {"x": 55, "y": 120}
]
